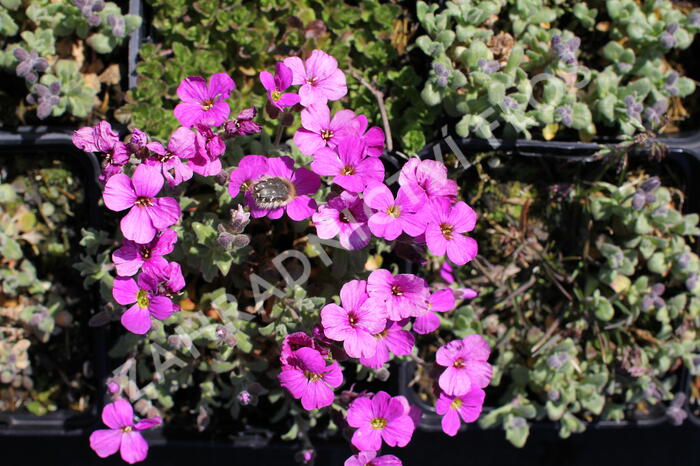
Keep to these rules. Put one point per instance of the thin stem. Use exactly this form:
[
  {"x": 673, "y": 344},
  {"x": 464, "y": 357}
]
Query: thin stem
[{"x": 379, "y": 95}]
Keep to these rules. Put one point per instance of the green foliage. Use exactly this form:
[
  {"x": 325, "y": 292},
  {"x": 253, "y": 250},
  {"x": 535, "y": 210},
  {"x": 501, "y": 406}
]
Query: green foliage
[
  {"x": 243, "y": 38},
  {"x": 55, "y": 31},
  {"x": 551, "y": 66},
  {"x": 588, "y": 291}
]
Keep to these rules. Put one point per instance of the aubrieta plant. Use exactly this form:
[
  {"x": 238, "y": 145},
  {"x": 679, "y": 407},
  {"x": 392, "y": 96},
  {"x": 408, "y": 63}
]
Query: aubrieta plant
[
  {"x": 189, "y": 281},
  {"x": 587, "y": 291},
  {"x": 370, "y": 39},
  {"x": 43, "y": 43},
  {"x": 537, "y": 74}
]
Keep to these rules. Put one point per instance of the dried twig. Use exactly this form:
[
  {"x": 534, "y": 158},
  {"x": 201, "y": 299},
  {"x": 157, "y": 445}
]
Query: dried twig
[{"x": 379, "y": 95}]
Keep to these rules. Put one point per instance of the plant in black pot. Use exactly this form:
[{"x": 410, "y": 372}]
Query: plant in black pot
[
  {"x": 46, "y": 375},
  {"x": 585, "y": 286},
  {"x": 259, "y": 299},
  {"x": 565, "y": 70},
  {"x": 63, "y": 54}
]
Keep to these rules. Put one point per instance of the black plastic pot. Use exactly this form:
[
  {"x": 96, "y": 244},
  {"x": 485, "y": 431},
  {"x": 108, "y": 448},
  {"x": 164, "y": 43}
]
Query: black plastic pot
[
  {"x": 29, "y": 143},
  {"x": 683, "y": 151}
]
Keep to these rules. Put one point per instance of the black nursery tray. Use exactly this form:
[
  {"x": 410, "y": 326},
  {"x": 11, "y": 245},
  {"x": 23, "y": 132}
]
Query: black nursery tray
[
  {"x": 46, "y": 145},
  {"x": 681, "y": 152}
]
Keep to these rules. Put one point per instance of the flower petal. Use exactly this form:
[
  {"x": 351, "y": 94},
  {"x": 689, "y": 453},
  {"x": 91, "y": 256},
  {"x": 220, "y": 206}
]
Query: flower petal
[
  {"x": 119, "y": 193},
  {"x": 134, "y": 448},
  {"x": 118, "y": 414},
  {"x": 125, "y": 290},
  {"x": 105, "y": 442},
  {"x": 137, "y": 320}
]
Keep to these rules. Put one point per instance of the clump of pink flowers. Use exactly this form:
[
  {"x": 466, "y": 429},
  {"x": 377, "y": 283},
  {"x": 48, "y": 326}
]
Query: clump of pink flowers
[{"x": 376, "y": 318}]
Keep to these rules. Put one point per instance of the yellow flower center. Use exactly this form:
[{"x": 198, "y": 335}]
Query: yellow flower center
[
  {"x": 312, "y": 376},
  {"x": 456, "y": 403},
  {"x": 447, "y": 230},
  {"x": 348, "y": 170},
  {"x": 207, "y": 104},
  {"x": 276, "y": 95},
  {"x": 459, "y": 363},
  {"x": 378, "y": 423},
  {"x": 142, "y": 299},
  {"x": 326, "y": 134},
  {"x": 394, "y": 211},
  {"x": 396, "y": 291},
  {"x": 127, "y": 429},
  {"x": 143, "y": 202}
]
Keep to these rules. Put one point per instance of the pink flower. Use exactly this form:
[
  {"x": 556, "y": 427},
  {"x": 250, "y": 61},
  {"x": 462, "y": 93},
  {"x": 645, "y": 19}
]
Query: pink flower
[
  {"x": 466, "y": 365},
  {"x": 307, "y": 377},
  {"x": 283, "y": 188},
  {"x": 468, "y": 407},
  {"x": 169, "y": 279},
  {"x": 147, "y": 213},
  {"x": 468, "y": 293},
  {"x": 343, "y": 216},
  {"x": 440, "y": 301},
  {"x": 320, "y": 78},
  {"x": 373, "y": 138},
  {"x": 250, "y": 169},
  {"x": 129, "y": 258},
  {"x": 318, "y": 130},
  {"x": 276, "y": 86},
  {"x": 243, "y": 124},
  {"x": 379, "y": 418},
  {"x": 402, "y": 295},
  {"x": 446, "y": 272},
  {"x": 393, "y": 216},
  {"x": 204, "y": 104},
  {"x": 393, "y": 338},
  {"x": 293, "y": 342},
  {"x": 445, "y": 225},
  {"x": 101, "y": 138},
  {"x": 369, "y": 458},
  {"x": 347, "y": 166},
  {"x": 424, "y": 180},
  {"x": 181, "y": 146},
  {"x": 354, "y": 324},
  {"x": 123, "y": 434},
  {"x": 146, "y": 302},
  {"x": 209, "y": 146}
]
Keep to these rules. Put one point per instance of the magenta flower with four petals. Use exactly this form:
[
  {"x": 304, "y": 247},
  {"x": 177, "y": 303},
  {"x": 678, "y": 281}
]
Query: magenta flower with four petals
[
  {"x": 319, "y": 130},
  {"x": 466, "y": 363},
  {"x": 392, "y": 216},
  {"x": 180, "y": 146},
  {"x": 369, "y": 458},
  {"x": 307, "y": 377},
  {"x": 276, "y": 86},
  {"x": 445, "y": 225},
  {"x": 347, "y": 165},
  {"x": 393, "y": 338},
  {"x": 251, "y": 168},
  {"x": 353, "y": 323},
  {"x": 148, "y": 214},
  {"x": 452, "y": 408},
  {"x": 202, "y": 103},
  {"x": 319, "y": 77},
  {"x": 343, "y": 216},
  {"x": 379, "y": 418},
  {"x": 424, "y": 180},
  {"x": 123, "y": 434},
  {"x": 132, "y": 256},
  {"x": 144, "y": 300},
  {"x": 403, "y": 295},
  {"x": 101, "y": 138}
]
